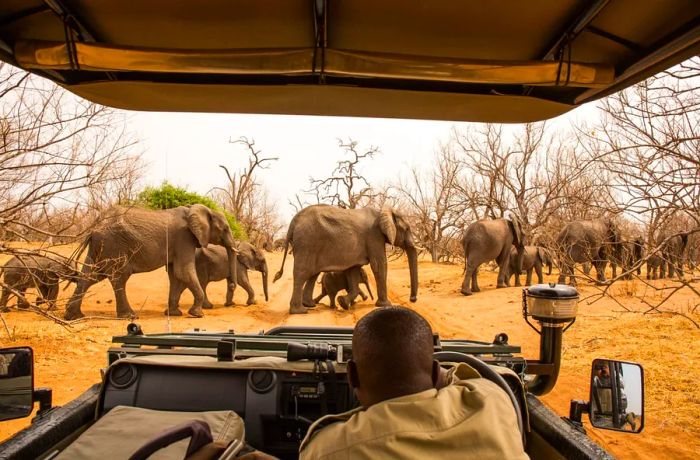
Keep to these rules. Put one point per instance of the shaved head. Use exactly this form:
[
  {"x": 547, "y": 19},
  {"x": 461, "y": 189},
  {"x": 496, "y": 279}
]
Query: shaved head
[{"x": 392, "y": 351}]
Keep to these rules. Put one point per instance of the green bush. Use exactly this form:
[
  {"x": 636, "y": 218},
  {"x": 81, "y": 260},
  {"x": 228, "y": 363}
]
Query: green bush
[{"x": 169, "y": 196}]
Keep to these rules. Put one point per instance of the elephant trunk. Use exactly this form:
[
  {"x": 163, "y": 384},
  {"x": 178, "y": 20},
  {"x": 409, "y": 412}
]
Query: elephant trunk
[
  {"x": 519, "y": 259},
  {"x": 413, "y": 267},
  {"x": 264, "y": 280},
  {"x": 232, "y": 266}
]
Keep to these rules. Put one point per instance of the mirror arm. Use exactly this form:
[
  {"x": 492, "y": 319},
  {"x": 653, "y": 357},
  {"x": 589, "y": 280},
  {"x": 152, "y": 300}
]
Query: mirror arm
[
  {"x": 576, "y": 409},
  {"x": 44, "y": 396}
]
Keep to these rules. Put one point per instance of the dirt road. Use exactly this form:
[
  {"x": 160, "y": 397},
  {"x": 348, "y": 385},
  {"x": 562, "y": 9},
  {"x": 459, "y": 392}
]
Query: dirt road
[{"x": 69, "y": 361}]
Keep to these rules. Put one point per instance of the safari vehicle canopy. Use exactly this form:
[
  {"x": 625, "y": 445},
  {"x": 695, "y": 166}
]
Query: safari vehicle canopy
[{"x": 506, "y": 61}]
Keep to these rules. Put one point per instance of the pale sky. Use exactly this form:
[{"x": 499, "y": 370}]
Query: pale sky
[{"x": 186, "y": 148}]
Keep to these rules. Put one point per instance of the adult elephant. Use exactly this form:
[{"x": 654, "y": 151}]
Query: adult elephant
[
  {"x": 139, "y": 240},
  {"x": 331, "y": 239},
  {"x": 212, "y": 265},
  {"x": 581, "y": 241},
  {"x": 673, "y": 252},
  {"x": 535, "y": 258},
  {"x": 491, "y": 239},
  {"x": 630, "y": 256}
]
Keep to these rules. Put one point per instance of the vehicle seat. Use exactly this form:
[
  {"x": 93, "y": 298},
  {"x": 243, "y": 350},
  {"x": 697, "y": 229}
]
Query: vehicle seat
[{"x": 123, "y": 430}]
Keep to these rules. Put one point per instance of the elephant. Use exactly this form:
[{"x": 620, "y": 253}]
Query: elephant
[
  {"x": 630, "y": 255},
  {"x": 673, "y": 252},
  {"x": 348, "y": 280},
  {"x": 43, "y": 272},
  {"x": 581, "y": 241},
  {"x": 327, "y": 238},
  {"x": 212, "y": 265},
  {"x": 490, "y": 239},
  {"x": 137, "y": 240},
  {"x": 535, "y": 257},
  {"x": 656, "y": 267},
  {"x": 278, "y": 244}
]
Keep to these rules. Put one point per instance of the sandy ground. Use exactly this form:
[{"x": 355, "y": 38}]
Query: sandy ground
[{"x": 666, "y": 345}]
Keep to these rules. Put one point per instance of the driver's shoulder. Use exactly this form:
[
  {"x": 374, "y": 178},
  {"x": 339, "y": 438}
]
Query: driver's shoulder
[{"x": 458, "y": 410}]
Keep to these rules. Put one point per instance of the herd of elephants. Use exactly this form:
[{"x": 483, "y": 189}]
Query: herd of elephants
[{"x": 196, "y": 246}]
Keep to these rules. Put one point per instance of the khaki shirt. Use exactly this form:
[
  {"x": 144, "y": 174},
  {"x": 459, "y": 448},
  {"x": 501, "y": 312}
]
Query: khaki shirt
[{"x": 470, "y": 418}]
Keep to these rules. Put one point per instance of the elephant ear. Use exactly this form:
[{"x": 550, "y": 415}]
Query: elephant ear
[
  {"x": 541, "y": 254},
  {"x": 518, "y": 236},
  {"x": 199, "y": 222},
  {"x": 387, "y": 225}
]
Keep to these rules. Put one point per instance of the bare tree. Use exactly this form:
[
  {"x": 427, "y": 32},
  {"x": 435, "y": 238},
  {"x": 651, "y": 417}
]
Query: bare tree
[
  {"x": 433, "y": 204},
  {"x": 247, "y": 199},
  {"x": 346, "y": 186},
  {"x": 55, "y": 151},
  {"x": 546, "y": 181}
]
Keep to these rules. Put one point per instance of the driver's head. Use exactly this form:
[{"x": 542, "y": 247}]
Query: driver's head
[{"x": 392, "y": 351}]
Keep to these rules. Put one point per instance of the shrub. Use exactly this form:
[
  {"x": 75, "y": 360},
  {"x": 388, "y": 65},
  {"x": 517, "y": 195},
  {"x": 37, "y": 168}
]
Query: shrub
[{"x": 169, "y": 196}]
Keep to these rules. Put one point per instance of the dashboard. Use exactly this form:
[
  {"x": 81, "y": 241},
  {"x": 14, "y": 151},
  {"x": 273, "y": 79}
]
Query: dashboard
[{"x": 277, "y": 405}]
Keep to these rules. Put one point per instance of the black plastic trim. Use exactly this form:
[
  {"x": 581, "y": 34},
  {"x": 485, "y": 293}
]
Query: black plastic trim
[
  {"x": 567, "y": 440},
  {"x": 52, "y": 428}
]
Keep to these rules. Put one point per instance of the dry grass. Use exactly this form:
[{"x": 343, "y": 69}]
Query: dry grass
[{"x": 665, "y": 344}]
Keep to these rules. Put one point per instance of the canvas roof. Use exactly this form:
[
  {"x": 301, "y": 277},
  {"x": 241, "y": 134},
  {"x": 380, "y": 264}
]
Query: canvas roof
[{"x": 491, "y": 61}]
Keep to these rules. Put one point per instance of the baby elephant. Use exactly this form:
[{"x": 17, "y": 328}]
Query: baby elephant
[
  {"x": 535, "y": 258},
  {"x": 348, "y": 280},
  {"x": 36, "y": 271},
  {"x": 212, "y": 265}
]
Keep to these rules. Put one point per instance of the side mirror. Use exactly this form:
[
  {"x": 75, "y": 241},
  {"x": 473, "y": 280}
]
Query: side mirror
[
  {"x": 617, "y": 396},
  {"x": 16, "y": 383},
  {"x": 17, "y": 394}
]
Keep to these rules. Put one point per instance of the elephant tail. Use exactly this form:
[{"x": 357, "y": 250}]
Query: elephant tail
[{"x": 278, "y": 275}]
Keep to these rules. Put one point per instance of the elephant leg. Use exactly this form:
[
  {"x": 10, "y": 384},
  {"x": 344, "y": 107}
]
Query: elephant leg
[
  {"x": 567, "y": 270},
  {"x": 118, "y": 282},
  {"x": 332, "y": 295},
  {"x": 517, "y": 279},
  {"x": 679, "y": 268},
  {"x": 600, "y": 270},
  {"x": 22, "y": 298},
  {"x": 378, "y": 266},
  {"x": 323, "y": 293},
  {"x": 503, "y": 261},
  {"x": 363, "y": 295},
  {"x": 51, "y": 295},
  {"x": 87, "y": 279},
  {"x": 300, "y": 277},
  {"x": 206, "y": 303},
  {"x": 175, "y": 292},
  {"x": 475, "y": 280},
  {"x": 308, "y": 293},
  {"x": 528, "y": 279},
  {"x": 353, "y": 281},
  {"x": 469, "y": 284},
  {"x": 540, "y": 277},
  {"x": 198, "y": 294},
  {"x": 4, "y": 297},
  {"x": 244, "y": 282},
  {"x": 563, "y": 272},
  {"x": 42, "y": 294}
]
